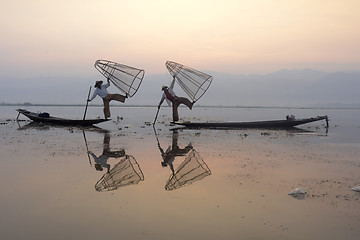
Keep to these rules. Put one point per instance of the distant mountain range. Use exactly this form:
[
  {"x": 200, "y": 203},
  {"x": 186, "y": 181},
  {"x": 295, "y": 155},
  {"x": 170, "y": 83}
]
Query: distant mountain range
[
  {"x": 284, "y": 88},
  {"x": 290, "y": 88}
]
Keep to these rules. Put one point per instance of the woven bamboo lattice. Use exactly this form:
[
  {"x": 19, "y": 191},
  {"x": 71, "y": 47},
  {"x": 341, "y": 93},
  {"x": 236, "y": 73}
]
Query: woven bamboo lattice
[
  {"x": 127, "y": 79},
  {"x": 193, "y": 82}
]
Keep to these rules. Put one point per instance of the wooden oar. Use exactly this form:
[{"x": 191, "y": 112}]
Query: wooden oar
[
  {"x": 87, "y": 102},
  {"x": 156, "y": 116}
]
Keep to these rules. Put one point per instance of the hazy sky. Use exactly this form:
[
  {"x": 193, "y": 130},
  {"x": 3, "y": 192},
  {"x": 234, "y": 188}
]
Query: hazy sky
[{"x": 65, "y": 37}]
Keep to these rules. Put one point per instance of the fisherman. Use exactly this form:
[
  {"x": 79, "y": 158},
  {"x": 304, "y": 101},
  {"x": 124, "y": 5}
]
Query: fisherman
[
  {"x": 101, "y": 90},
  {"x": 171, "y": 98}
]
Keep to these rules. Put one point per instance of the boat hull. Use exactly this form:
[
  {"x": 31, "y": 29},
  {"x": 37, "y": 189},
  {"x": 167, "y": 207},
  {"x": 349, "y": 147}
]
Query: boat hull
[
  {"x": 273, "y": 124},
  {"x": 60, "y": 121}
]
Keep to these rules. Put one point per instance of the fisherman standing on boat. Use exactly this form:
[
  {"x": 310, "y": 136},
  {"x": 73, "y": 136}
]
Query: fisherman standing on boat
[
  {"x": 174, "y": 100},
  {"x": 101, "y": 90}
]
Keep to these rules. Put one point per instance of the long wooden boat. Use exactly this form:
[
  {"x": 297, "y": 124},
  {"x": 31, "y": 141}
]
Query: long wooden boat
[
  {"x": 273, "y": 124},
  {"x": 45, "y": 118}
]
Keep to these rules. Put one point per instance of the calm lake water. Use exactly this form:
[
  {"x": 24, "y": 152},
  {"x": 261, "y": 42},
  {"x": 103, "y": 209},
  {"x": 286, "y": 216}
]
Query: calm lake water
[{"x": 212, "y": 184}]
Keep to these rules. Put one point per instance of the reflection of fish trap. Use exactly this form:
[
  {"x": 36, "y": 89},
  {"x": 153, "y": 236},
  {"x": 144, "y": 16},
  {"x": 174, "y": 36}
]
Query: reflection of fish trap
[
  {"x": 126, "y": 172},
  {"x": 192, "y": 169}
]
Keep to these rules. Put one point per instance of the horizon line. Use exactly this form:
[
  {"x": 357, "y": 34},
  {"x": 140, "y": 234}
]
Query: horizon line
[{"x": 344, "y": 106}]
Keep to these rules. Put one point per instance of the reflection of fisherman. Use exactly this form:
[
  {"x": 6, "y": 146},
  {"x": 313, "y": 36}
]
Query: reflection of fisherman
[
  {"x": 172, "y": 152},
  {"x": 174, "y": 100},
  {"x": 101, "y": 161}
]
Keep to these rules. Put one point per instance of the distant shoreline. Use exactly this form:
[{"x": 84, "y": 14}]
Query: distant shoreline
[{"x": 345, "y": 106}]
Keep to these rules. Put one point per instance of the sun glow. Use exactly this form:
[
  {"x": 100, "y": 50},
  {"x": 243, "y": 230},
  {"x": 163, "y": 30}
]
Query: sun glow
[{"x": 232, "y": 36}]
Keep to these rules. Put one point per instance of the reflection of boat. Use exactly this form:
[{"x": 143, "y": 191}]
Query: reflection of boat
[
  {"x": 126, "y": 172},
  {"x": 192, "y": 169},
  {"x": 46, "y": 118},
  {"x": 273, "y": 124},
  {"x": 42, "y": 126}
]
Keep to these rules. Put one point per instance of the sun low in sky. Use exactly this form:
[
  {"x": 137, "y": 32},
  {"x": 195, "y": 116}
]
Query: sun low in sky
[{"x": 65, "y": 38}]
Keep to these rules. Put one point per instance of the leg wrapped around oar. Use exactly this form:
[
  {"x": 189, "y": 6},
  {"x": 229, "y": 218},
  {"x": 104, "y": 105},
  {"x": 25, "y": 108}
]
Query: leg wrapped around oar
[
  {"x": 107, "y": 100},
  {"x": 175, "y": 104}
]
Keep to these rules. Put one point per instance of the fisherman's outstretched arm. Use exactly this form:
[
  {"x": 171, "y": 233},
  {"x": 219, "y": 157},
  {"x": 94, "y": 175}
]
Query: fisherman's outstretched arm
[
  {"x": 108, "y": 83},
  {"x": 93, "y": 95},
  {"x": 172, "y": 83},
  {"x": 161, "y": 100}
]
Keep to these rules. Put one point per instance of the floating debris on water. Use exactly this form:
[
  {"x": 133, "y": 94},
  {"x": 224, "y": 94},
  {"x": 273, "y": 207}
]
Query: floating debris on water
[{"x": 298, "y": 193}]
